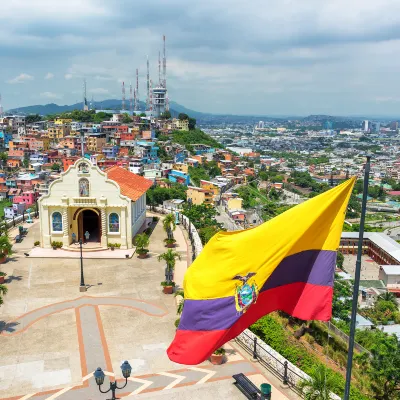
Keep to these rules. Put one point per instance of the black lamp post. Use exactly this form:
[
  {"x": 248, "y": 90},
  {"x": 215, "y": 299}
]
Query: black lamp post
[
  {"x": 99, "y": 377},
  {"x": 82, "y": 287}
]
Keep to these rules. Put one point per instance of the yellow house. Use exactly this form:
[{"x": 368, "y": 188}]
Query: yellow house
[
  {"x": 234, "y": 203},
  {"x": 62, "y": 121},
  {"x": 210, "y": 186},
  {"x": 199, "y": 196},
  {"x": 180, "y": 124},
  {"x": 59, "y": 131},
  {"x": 181, "y": 167}
]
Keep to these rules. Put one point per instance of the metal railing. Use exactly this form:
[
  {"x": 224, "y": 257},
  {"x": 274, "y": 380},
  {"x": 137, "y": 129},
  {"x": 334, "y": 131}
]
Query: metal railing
[{"x": 281, "y": 369}]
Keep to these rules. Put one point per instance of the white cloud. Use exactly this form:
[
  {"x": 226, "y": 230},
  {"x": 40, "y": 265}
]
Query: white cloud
[
  {"x": 50, "y": 95},
  {"x": 68, "y": 76},
  {"x": 99, "y": 91},
  {"x": 49, "y": 75},
  {"x": 21, "y": 78}
]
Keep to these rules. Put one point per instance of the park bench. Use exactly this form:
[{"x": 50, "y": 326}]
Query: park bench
[
  {"x": 18, "y": 239},
  {"x": 247, "y": 387}
]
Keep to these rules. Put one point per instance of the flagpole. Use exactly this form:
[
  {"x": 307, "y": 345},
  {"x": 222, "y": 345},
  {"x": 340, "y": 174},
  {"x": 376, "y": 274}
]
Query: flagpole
[{"x": 357, "y": 281}]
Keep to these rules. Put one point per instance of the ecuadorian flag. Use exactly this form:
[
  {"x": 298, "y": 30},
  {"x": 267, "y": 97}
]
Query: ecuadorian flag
[{"x": 287, "y": 263}]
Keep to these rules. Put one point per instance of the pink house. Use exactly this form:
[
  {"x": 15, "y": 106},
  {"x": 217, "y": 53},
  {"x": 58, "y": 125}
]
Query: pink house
[{"x": 29, "y": 198}]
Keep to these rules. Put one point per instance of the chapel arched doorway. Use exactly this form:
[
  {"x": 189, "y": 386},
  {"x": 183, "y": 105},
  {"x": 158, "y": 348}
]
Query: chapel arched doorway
[{"x": 89, "y": 221}]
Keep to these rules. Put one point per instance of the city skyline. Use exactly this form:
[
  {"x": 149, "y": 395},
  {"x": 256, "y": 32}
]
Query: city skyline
[{"x": 287, "y": 58}]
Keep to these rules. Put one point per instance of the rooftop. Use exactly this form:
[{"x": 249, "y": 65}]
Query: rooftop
[{"x": 132, "y": 185}]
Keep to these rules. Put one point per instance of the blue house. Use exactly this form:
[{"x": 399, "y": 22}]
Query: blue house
[
  {"x": 149, "y": 152},
  {"x": 179, "y": 177},
  {"x": 200, "y": 149},
  {"x": 110, "y": 151},
  {"x": 6, "y": 137}
]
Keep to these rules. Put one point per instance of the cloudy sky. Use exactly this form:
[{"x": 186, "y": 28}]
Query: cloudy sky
[{"x": 270, "y": 57}]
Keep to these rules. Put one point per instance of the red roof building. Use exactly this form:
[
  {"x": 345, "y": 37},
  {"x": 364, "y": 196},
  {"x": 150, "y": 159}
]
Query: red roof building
[{"x": 132, "y": 185}]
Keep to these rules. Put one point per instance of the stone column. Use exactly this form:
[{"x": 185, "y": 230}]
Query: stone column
[
  {"x": 103, "y": 211},
  {"x": 103, "y": 240},
  {"x": 122, "y": 227},
  {"x": 65, "y": 220},
  {"x": 65, "y": 226}
]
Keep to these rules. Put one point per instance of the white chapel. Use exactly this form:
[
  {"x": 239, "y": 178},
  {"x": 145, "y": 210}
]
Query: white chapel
[{"x": 99, "y": 207}]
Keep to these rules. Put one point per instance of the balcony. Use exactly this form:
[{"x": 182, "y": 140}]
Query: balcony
[{"x": 84, "y": 201}]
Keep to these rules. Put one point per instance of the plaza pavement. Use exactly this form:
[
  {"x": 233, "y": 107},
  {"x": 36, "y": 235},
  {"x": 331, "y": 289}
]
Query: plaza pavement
[{"x": 53, "y": 337}]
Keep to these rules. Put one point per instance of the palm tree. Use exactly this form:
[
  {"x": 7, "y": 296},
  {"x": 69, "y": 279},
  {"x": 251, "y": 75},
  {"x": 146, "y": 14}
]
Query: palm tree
[
  {"x": 3, "y": 291},
  {"x": 320, "y": 386},
  {"x": 169, "y": 225},
  {"x": 169, "y": 257},
  {"x": 5, "y": 246},
  {"x": 387, "y": 296},
  {"x": 142, "y": 241}
]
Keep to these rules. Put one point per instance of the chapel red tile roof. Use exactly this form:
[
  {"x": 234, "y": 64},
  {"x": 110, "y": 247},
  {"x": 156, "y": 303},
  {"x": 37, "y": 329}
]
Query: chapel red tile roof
[{"x": 132, "y": 185}]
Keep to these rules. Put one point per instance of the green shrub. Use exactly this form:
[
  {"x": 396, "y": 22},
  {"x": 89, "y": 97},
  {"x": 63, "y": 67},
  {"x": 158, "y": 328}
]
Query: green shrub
[
  {"x": 177, "y": 322},
  {"x": 57, "y": 245},
  {"x": 37, "y": 243}
]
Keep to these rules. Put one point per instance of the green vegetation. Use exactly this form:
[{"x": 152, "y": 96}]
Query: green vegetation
[
  {"x": 170, "y": 258},
  {"x": 341, "y": 304},
  {"x": 157, "y": 195},
  {"x": 55, "y": 167},
  {"x": 192, "y": 121},
  {"x": 319, "y": 160},
  {"x": 320, "y": 386},
  {"x": 205, "y": 171},
  {"x": 4, "y": 203},
  {"x": 82, "y": 116},
  {"x": 304, "y": 180},
  {"x": 142, "y": 242},
  {"x": 376, "y": 192},
  {"x": 383, "y": 311},
  {"x": 195, "y": 136},
  {"x": 30, "y": 119},
  {"x": 203, "y": 218},
  {"x": 270, "y": 330}
]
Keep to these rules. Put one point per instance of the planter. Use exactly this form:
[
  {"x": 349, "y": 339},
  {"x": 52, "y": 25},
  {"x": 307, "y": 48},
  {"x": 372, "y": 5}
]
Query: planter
[
  {"x": 112, "y": 248},
  {"x": 54, "y": 248},
  {"x": 2, "y": 279},
  {"x": 168, "y": 289},
  {"x": 170, "y": 246},
  {"x": 217, "y": 359},
  {"x": 142, "y": 256}
]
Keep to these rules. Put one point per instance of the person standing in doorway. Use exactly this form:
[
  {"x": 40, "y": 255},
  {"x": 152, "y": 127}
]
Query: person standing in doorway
[
  {"x": 73, "y": 238},
  {"x": 87, "y": 235}
]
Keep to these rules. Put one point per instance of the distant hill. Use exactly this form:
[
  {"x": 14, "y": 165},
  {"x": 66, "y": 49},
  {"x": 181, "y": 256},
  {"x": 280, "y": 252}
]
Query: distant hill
[{"x": 114, "y": 104}]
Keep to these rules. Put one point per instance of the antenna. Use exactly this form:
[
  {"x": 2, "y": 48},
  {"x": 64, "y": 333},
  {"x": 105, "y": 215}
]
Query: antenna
[
  {"x": 85, "y": 103},
  {"x": 137, "y": 103},
  {"x": 130, "y": 97},
  {"x": 150, "y": 97},
  {"x": 148, "y": 85},
  {"x": 1, "y": 108},
  {"x": 164, "y": 67},
  {"x": 123, "y": 96},
  {"x": 159, "y": 69}
]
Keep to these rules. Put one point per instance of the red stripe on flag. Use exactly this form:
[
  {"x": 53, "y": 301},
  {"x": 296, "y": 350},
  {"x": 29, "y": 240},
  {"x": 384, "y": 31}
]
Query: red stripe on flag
[{"x": 302, "y": 300}]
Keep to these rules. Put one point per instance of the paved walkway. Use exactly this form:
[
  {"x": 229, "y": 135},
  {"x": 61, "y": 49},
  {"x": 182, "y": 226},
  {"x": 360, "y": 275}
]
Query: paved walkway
[
  {"x": 39, "y": 252},
  {"x": 52, "y": 340}
]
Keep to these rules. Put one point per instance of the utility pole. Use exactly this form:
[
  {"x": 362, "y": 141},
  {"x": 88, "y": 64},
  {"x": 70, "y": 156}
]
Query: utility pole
[{"x": 357, "y": 281}]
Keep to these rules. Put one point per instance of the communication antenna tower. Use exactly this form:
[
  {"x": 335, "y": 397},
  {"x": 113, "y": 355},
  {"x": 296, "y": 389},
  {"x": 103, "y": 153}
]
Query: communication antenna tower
[
  {"x": 130, "y": 97},
  {"x": 148, "y": 85},
  {"x": 123, "y": 96},
  {"x": 164, "y": 66}
]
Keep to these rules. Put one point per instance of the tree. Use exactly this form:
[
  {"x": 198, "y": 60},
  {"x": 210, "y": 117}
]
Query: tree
[
  {"x": 166, "y": 115},
  {"x": 169, "y": 225},
  {"x": 388, "y": 296},
  {"x": 55, "y": 167},
  {"x": 3, "y": 291},
  {"x": 30, "y": 119},
  {"x": 320, "y": 386},
  {"x": 142, "y": 114},
  {"x": 3, "y": 158},
  {"x": 183, "y": 116},
  {"x": 383, "y": 368},
  {"x": 5, "y": 246},
  {"x": 142, "y": 241},
  {"x": 169, "y": 257},
  {"x": 126, "y": 119},
  {"x": 192, "y": 124}
]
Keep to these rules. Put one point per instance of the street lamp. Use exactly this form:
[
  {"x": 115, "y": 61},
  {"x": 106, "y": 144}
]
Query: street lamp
[
  {"x": 82, "y": 287},
  {"x": 99, "y": 377}
]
